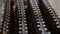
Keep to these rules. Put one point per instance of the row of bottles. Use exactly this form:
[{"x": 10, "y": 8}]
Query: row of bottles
[{"x": 29, "y": 17}]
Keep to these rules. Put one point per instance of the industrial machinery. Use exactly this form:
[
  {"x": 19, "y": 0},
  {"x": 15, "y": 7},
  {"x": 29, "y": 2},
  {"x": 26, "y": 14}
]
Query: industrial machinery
[{"x": 29, "y": 17}]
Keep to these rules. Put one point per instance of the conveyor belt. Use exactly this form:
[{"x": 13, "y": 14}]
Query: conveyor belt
[{"x": 29, "y": 17}]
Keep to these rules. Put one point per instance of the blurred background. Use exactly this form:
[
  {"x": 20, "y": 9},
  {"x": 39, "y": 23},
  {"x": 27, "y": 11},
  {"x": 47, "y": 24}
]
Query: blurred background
[
  {"x": 1, "y": 8},
  {"x": 54, "y": 3}
]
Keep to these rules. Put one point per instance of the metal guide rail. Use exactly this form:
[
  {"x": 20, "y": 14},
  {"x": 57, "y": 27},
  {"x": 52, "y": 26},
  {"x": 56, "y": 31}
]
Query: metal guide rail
[
  {"x": 49, "y": 15},
  {"x": 52, "y": 11},
  {"x": 40, "y": 23},
  {"x": 6, "y": 20},
  {"x": 30, "y": 18},
  {"x": 23, "y": 29}
]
